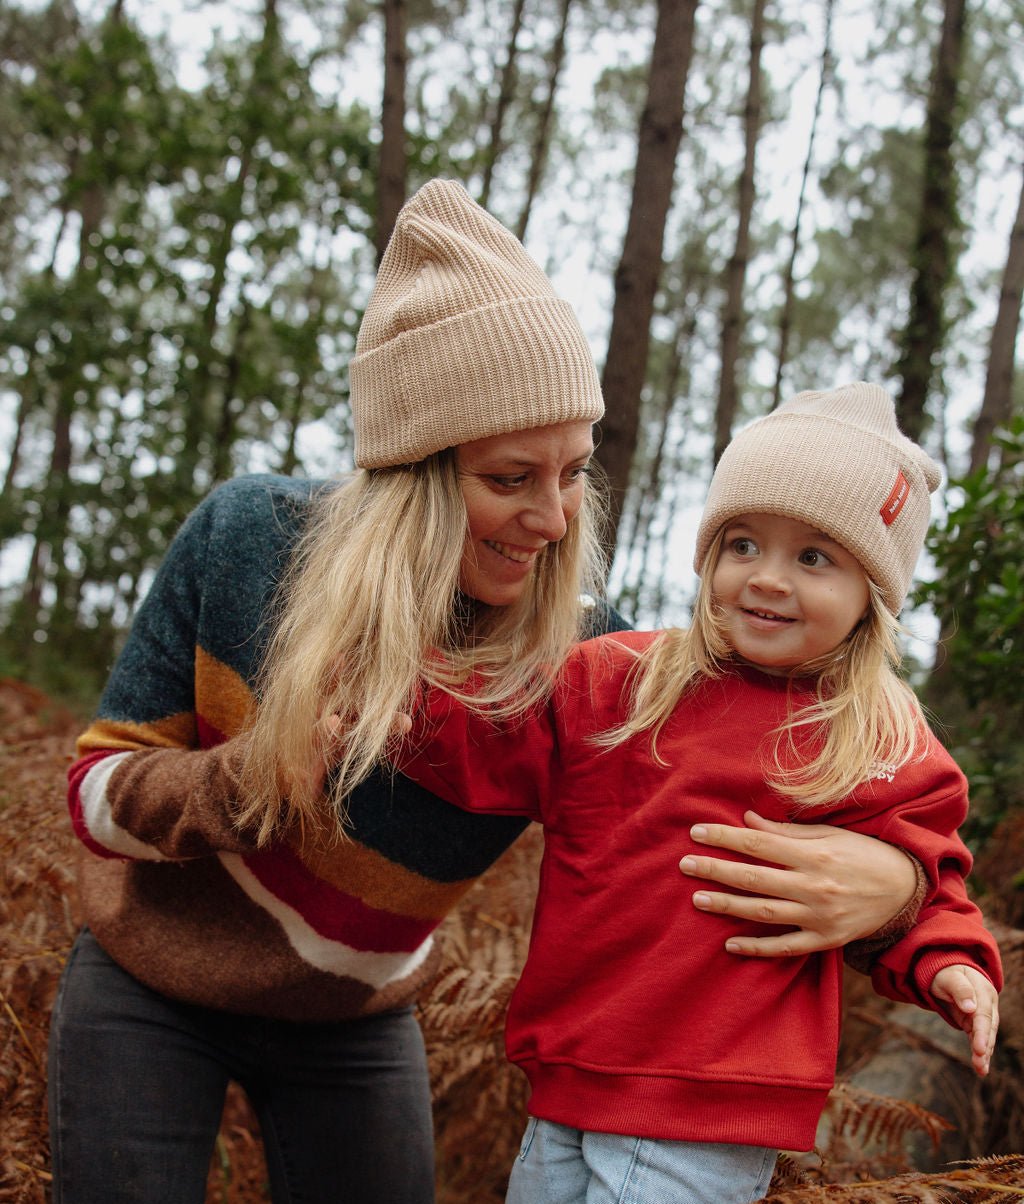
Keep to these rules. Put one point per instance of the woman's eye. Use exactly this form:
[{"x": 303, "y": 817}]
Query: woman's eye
[
  {"x": 579, "y": 472},
  {"x": 512, "y": 482}
]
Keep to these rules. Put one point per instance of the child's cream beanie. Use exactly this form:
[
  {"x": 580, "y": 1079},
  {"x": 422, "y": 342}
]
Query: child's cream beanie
[
  {"x": 463, "y": 337},
  {"x": 837, "y": 461}
]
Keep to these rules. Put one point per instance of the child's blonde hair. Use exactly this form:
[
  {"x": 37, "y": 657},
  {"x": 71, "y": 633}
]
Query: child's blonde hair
[
  {"x": 864, "y": 721},
  {"x": 370, "y": 609}
]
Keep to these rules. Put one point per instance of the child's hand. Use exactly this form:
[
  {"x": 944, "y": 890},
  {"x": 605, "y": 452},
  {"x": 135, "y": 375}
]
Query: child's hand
[{"x": 976, "y": 1001}]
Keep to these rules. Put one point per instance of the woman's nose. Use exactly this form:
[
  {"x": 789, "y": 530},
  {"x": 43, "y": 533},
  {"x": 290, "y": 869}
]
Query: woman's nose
[{"x": 546, "y": 515}]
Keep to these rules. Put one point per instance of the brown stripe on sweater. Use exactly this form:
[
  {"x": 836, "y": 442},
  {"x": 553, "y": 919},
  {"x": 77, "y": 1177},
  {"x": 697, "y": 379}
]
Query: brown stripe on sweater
[
  {"x": 175, "y": 731},
  {"x": 225, "y": 699},
  {"x": 189, "y": 931},
  {"x": 378, "y": 882}
]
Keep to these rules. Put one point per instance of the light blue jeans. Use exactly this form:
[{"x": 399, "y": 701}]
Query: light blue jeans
[{"x": 557, "y": 1165}]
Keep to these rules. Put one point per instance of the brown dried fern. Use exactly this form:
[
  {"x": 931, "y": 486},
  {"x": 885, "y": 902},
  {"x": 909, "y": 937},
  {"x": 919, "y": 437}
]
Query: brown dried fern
[
  {"x": 479, "y": 1097},
  {"x": 867, "y": 1117},
  {"x": 985, "y": 1181}
]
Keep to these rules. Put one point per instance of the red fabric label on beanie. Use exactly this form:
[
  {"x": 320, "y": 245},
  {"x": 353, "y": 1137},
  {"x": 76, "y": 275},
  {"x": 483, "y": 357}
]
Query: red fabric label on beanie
[{"x": 894, "y": 502}]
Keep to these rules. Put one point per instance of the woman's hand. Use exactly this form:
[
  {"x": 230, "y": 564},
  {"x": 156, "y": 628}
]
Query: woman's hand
[
  {"x": 831, "y": 885},
  {"x": 332, "y": 729},
  {"x": 975, "y": 1005}
]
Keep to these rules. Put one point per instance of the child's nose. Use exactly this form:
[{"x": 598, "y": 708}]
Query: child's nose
[{"x": 770, "y": 579}]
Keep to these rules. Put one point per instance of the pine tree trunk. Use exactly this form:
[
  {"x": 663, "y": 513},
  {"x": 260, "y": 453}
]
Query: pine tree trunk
[
  {"x": 639, "y": 269},
  {"x": 997, "y": 402},
  {"x": 10, "y": 521},
  {"x": 933, "y": 256},
  {"x": 506, "y": 89},
  {"x": 47, "y": 561},
  {"x": 198, "y": 443},
  {"x": 391, "y": 176},
  {"x": 736, "y": 274},
  {"x": 227, "y": 426},
  {"x": 789, "y": 281},
  {"x": 542, "y": 135}
]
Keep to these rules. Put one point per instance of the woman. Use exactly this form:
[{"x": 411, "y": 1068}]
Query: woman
[{"x": 253, "y": 917}]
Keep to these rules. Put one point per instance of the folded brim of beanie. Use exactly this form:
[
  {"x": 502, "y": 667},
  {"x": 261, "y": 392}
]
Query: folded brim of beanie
[{"x": 516, "y": 364}]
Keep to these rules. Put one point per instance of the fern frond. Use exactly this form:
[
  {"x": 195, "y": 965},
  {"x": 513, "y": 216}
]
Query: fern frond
[
  {"x": 994, "y": 1180},
  {"x": 869, "y": 1117}
]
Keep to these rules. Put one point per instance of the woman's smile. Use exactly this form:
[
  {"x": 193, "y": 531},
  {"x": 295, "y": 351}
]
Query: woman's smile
[{"x": 519, "y": 555}]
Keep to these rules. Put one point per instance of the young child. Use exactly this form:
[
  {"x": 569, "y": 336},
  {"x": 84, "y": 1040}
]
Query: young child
[{"x": 661, "y": 1067}]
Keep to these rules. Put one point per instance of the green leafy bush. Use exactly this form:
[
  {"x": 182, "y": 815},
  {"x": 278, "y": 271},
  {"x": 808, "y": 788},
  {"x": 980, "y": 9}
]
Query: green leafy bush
[{"x": 977, "y": 688}]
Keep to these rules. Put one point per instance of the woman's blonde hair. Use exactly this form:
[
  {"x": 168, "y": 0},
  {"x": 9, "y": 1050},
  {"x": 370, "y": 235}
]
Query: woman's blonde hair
[
  {"x": 370, "y": 611},
  {"x": 864, "y": 720}
]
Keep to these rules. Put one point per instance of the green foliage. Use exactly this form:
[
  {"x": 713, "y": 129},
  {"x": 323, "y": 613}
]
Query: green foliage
[
  {"x": 189, "y": 268},
  {"x": 979, "y": 594}
]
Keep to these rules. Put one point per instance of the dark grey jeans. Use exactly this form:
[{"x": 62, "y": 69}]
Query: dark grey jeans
[{"x": 137, "y": 1084}]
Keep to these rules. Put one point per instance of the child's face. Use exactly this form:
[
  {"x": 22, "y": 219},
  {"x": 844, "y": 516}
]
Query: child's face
[{"x": 788, "y": 593}]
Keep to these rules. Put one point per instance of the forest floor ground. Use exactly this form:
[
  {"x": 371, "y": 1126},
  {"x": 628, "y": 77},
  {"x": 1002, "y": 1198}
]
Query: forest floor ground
[{"x": 908, "y": 1121}]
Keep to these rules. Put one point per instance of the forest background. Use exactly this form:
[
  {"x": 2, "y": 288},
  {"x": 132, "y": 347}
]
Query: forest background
[{"x": 741, "y": 198}]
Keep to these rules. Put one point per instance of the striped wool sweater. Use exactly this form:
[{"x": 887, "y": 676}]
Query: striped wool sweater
[{"x": 172, "y": 889}]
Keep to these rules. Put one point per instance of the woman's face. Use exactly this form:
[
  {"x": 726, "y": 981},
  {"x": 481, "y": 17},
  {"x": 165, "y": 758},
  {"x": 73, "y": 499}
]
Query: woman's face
[{"x": 521, "y": 492}]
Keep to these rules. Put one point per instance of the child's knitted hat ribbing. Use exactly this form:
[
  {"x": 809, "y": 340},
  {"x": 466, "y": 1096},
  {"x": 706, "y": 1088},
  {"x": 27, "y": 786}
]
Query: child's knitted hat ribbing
[
  {"x": 837, "y": 461},
  {"x": 463, "y": 337}
]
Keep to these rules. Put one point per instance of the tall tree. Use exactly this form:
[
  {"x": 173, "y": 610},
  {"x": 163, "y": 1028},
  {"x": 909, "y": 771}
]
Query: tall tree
[
  {"x": 736, "y": 272},
  {"x": 639, "y": 268},
  {"x": 97, "y": 103},
  {"x": 997, "y": 401},
  {"x": 506, "y": 89},
  {"x": 206, "y": 369},
  {"x": 545, "y": 119},
  {"x": 933, "y": 258},
  {"x": 789, "y": 275},
  {"x": 391, "y": 172}
]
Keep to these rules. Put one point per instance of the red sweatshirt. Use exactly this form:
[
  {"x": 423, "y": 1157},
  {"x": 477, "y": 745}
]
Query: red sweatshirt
[{"x": 630, "y": 1017}]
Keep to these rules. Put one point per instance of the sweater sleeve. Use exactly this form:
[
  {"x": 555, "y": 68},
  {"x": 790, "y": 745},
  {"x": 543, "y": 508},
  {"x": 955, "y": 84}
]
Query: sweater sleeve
[
  {"x": 949, "y": 931},
  {"x": 500, "y": 767},
  {"x": 949, "y": 928},
  {"x": 143, "y": 787},
  {"x": 497, "y": 767}
]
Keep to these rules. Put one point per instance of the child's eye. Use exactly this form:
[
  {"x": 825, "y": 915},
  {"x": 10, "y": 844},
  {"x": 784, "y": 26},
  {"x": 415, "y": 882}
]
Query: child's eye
[
  {"x": 813, "y": 558},
  {"x": 743, "y": 546}
]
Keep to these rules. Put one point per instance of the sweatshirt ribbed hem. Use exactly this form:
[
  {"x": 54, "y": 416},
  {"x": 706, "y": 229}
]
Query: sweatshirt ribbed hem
[{"x": 673, "y": 1108}]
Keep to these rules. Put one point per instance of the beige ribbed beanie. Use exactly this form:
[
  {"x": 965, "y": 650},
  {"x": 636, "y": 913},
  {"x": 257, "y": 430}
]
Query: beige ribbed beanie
[
  {"x": 837, "y": 461},
  {"x": 463, "y": 337}
]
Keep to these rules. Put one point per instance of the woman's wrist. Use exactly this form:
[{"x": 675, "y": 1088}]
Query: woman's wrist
[{"x": 861, "y": 954}]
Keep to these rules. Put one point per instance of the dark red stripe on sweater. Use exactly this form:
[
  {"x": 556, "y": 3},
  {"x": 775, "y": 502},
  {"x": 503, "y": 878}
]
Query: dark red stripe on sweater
[
  {"x": 332, "y": 913},
  {"x": 76, "y": 774}
]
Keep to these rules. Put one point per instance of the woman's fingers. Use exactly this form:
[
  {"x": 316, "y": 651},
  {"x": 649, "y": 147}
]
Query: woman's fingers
[
  {"x": 848, "y": 884},
  {"x": 789, "y": 845},
  {"x": 745, "y": 907},
  {"x": 742, "y": 875},
  {"x": 784, "y": 944},
  {"x": 402, "y": 724}
]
